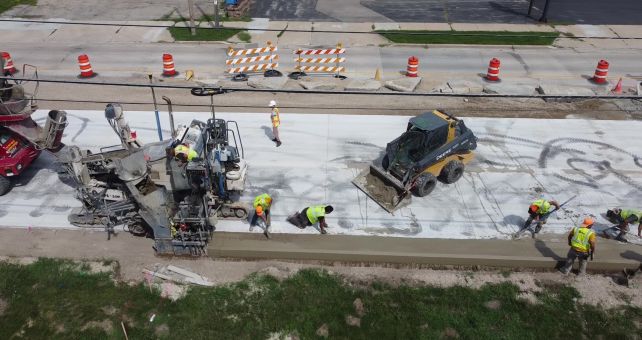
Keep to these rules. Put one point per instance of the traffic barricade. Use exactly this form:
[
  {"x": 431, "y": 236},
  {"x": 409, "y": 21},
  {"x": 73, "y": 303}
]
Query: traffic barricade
[
  {"x": 253, "y": 60},
  {"x": 331, "y": 64}
]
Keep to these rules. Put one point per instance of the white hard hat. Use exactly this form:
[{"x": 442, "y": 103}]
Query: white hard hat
[{"x": 272, "y": 103}]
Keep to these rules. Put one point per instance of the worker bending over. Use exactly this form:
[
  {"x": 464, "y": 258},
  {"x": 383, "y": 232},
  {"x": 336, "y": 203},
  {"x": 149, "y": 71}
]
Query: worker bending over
[
  {"x": 262, "y": 204},
  {"x": 539, "y": 211},
  {"x": 624, "y": 217},
  {"x": 582, "y": 242},
  {"x": 310, "y": 216},
  {"x": 184, "y": 153}
]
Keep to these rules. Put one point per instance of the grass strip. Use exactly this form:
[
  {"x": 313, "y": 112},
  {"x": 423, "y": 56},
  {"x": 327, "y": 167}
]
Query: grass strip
[
  {"x": 469, "y": 37},
  {"x": 203, "y": 34},
  {"x": 56, "y": 299},
  {"x": 6, "y": 5}
]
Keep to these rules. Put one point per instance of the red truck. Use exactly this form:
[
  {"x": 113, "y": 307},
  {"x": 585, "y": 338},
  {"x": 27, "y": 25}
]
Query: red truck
[{"x": 21, "y": 138}]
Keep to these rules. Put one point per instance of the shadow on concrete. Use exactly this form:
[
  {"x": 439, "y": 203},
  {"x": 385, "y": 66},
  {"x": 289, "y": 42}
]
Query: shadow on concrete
[
  {"x": 631, "y": 255},
  {"x": 548, "y": 252},
  {"x": 268, "y": 132},
  {"x": 517, "y": 221}
]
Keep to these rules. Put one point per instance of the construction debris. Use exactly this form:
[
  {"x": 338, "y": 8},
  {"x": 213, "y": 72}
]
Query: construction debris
[{"x": 178, "y": 275}]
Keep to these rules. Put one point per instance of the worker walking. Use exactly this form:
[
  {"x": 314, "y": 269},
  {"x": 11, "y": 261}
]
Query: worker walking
[
  {"x": 262, "y": 204},
  {"x": 310, "y": 216},
  {"x": 624, "y": 217},
  {"x": 276, "y": 122},
  {"x": 539, "y": 211},
  {"x": 582, "y": 243}
]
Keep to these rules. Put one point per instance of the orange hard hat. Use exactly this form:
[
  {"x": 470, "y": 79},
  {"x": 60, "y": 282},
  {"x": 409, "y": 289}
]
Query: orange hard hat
[
  {"x": 259, "y": 210},
  {"x": 587, "y": 222},
  {"x": 533, "y": 208}
]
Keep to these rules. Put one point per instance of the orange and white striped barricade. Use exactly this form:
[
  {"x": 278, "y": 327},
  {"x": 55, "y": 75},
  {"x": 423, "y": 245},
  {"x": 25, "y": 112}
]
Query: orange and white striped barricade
[
  {"x": 330, "y": 64},
  {"x": 260, "y": 59}
]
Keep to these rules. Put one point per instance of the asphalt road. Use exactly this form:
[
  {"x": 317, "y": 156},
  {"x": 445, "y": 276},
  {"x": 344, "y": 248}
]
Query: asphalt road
[{"x": 623, "y": 12}]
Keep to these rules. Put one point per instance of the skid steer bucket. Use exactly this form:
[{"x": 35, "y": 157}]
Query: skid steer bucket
[{"x": 383, "y": 188}]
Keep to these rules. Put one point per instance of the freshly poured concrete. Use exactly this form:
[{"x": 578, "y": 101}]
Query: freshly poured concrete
[{"x": 518, "y": 160}]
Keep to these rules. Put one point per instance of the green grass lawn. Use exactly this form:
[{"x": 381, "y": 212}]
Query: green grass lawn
[
  {"x": 7, "y": 4},
  {"x": 202, "y": 34},
  {"x": 470, "y": 37},
  {"x": 54, "y": 299}
]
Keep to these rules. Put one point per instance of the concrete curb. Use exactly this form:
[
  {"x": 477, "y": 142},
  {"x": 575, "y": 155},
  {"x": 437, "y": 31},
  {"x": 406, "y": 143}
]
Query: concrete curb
[{"x": 524, "y": 253}]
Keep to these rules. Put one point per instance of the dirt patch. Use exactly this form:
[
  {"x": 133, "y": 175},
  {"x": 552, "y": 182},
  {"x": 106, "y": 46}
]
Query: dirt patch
[
  {"x": 161, "y": 330},
  {"x": 109, "y": 310},
  {"x": 451, "y": 333},
  {"x": 358, "y": 307},
  {"x": 353, "y": 321},
  {"x": 323, "y": 331},
  {"x": 105, "y": 325},
  {"x": 493, "y": 304}
]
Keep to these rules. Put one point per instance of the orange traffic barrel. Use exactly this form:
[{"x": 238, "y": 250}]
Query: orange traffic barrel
[
  {"x": 168, "y": 65},
  {"x": 85, "y": 67},
  {"x": 8, "y": 64},
  {"x": 493, "y": 70},
  {"x": 413, "y": 67},
  {"x": 601, "y": 71}
]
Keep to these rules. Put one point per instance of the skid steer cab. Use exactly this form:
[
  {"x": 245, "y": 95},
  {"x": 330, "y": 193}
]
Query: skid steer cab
[{"x": 436, "y": 145}]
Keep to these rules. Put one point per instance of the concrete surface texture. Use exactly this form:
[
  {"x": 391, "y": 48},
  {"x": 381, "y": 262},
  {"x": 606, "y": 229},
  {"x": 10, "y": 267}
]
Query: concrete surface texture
[
  {"x": 623, "y": 12},
  {"x": 518, "y": 160}
]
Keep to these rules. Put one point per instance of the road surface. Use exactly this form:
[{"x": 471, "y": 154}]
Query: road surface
[{"x": 518, "y": 160}]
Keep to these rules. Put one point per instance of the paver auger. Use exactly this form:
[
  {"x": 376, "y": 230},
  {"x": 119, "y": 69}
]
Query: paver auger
[{"x": 435, "y": 145}]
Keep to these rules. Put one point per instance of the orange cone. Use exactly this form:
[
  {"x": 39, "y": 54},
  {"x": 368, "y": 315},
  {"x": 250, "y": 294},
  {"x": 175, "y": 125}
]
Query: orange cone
[
  {"x": 618, "y": 87},
  {"x": 8, "y": 64},
  {"x": 168, "y": 65},
  {"x": 85, "y": 67}
]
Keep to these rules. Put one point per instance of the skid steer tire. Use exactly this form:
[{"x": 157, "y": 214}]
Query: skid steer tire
[
  {"x": 452, "y": 172},
  {"x": 424, "y": 185},
  {"x": 5, "y": 185}
]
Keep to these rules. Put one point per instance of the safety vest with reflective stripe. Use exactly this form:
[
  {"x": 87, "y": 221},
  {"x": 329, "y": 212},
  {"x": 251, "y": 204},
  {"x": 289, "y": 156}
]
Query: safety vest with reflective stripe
[
  {"x": 262, "y": 201},
  {"x": 189, "y": 152},
  {"x": 580, "y": 240},
  {"x": 276, "y": 119},
  {"x": 626, "y": 213},
  {"x": 315, "y": 212},
  {"x": 542, "y": 206}
]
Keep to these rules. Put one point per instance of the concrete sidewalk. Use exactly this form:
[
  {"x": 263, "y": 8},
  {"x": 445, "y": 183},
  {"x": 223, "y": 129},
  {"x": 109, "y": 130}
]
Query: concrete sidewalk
[
  {"x": 310, "y": 33},
  {"x": 542, "y": 253}
]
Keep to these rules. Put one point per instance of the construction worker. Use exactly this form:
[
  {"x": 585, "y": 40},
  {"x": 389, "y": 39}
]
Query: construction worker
[
  {"x": 582, "y": 243},
  {"x": 262, "y": 204},
  {"x": 276, "y": 122},
  {"x": 184, "y": 153},
  {"x": 624, "y": 217},
  {"x": 539, "y": 211},
  {"x": 310, "y": 216}
]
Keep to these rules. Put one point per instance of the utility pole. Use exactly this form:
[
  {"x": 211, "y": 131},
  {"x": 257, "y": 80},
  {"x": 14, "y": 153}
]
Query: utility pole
[
  {"x": 216, "y": 24},
  {"x": 543, "y": 18},
  {"x": 190, "y": 4}
]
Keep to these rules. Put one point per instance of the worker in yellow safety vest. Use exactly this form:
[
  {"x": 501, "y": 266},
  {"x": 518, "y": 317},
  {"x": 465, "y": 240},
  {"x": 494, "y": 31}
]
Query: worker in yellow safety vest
[
  {"x": 184, "y": 153},
  {"x": 312, "y": 216},
  {"x": 262, "y": 205},
  {"x": 276, "y": 122},
  {"x": 539, "y": 211},
  {"x": 623, "y": 217},
  {"x": 582, "y": 242}
]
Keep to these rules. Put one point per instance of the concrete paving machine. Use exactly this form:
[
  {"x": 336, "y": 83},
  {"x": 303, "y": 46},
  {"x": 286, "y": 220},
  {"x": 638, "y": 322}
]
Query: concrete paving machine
[
  {"x": 435, "y": 145},
  {"x": 21, "y": 138},
  {"x": 154, "y": 193}
]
